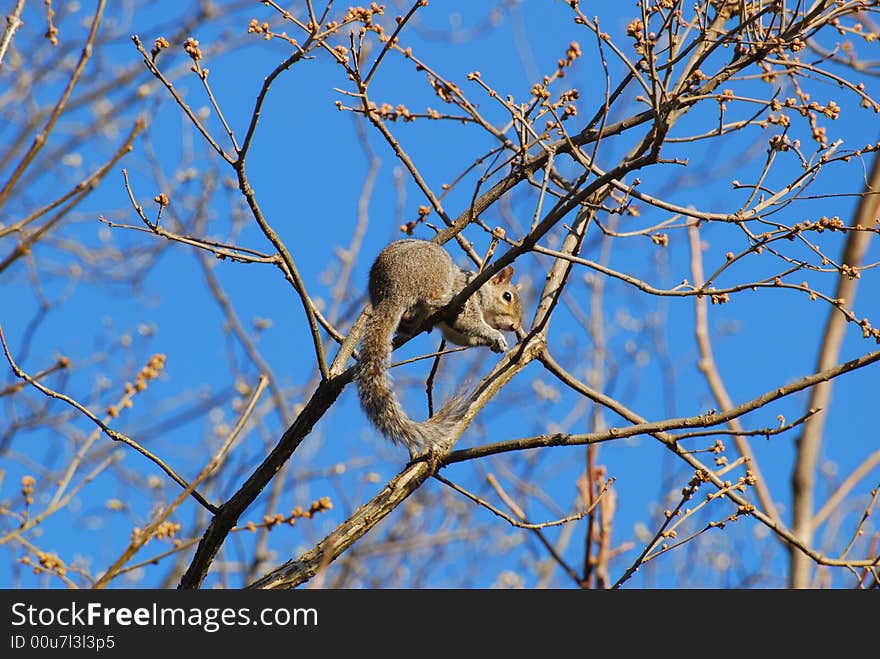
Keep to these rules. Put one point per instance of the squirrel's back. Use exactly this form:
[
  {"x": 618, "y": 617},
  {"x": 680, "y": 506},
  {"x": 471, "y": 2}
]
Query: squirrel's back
[{"x": 411, "y": 272}]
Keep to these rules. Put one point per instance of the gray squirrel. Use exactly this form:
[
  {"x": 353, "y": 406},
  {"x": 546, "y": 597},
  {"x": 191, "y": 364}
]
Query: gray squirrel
[{"x": 409, "y": 281}]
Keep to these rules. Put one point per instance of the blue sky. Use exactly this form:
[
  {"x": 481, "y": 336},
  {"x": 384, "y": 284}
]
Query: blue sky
[{"x": 308, "y": 167}]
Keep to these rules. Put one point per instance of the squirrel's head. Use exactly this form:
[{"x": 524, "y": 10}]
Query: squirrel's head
[{"x": 507, "y": 309}]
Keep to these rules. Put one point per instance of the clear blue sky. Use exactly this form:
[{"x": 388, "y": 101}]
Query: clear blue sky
[{"x": 307, "y": 167}]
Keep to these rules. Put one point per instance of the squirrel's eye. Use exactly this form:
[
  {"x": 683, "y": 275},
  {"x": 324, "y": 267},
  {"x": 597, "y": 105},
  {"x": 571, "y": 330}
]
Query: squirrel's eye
[{"x": 506, "y": 296}]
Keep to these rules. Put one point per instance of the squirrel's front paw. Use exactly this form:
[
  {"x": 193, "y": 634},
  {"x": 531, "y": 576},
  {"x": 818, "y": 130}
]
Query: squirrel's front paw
[{"x": 499, "y": 343}]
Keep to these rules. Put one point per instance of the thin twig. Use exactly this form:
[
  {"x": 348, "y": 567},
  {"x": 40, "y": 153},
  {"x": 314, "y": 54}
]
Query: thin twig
[
  {"x": 216, "y": 460},
  {"x": 112, "y": 434},
  {"x": 519, "y": 523},
  {"x": 41, "y": 137},
  {"x": 845, "y": 487},
  {"x": 13, "y": 22},
  {"x": 151, "y": 65}
]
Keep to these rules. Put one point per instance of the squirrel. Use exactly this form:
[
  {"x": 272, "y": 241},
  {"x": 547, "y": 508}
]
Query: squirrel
[{"x": 409, "y": 281}]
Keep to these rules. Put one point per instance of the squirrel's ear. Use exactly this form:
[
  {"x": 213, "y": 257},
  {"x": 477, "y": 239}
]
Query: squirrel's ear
[
  {"x": 518, "y": 287},
  {"x": 504, "y": 275}
]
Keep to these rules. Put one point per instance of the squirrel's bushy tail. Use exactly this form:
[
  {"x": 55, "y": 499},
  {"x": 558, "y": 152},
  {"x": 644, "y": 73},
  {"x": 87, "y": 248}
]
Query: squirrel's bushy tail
[{"x": 377, "y": 397}]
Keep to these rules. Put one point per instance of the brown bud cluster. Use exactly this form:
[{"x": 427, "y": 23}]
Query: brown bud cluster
[
  {"x": 272, "y": 520},
  {"x": 255, "y": 27},
  {"x": 27, "y": 489},
  {"x": 160, "y": 44},
  {"x": 191, "y": 46},
  {"x": 364, "y": 14},
  {"x": 47, "y": 562}
]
